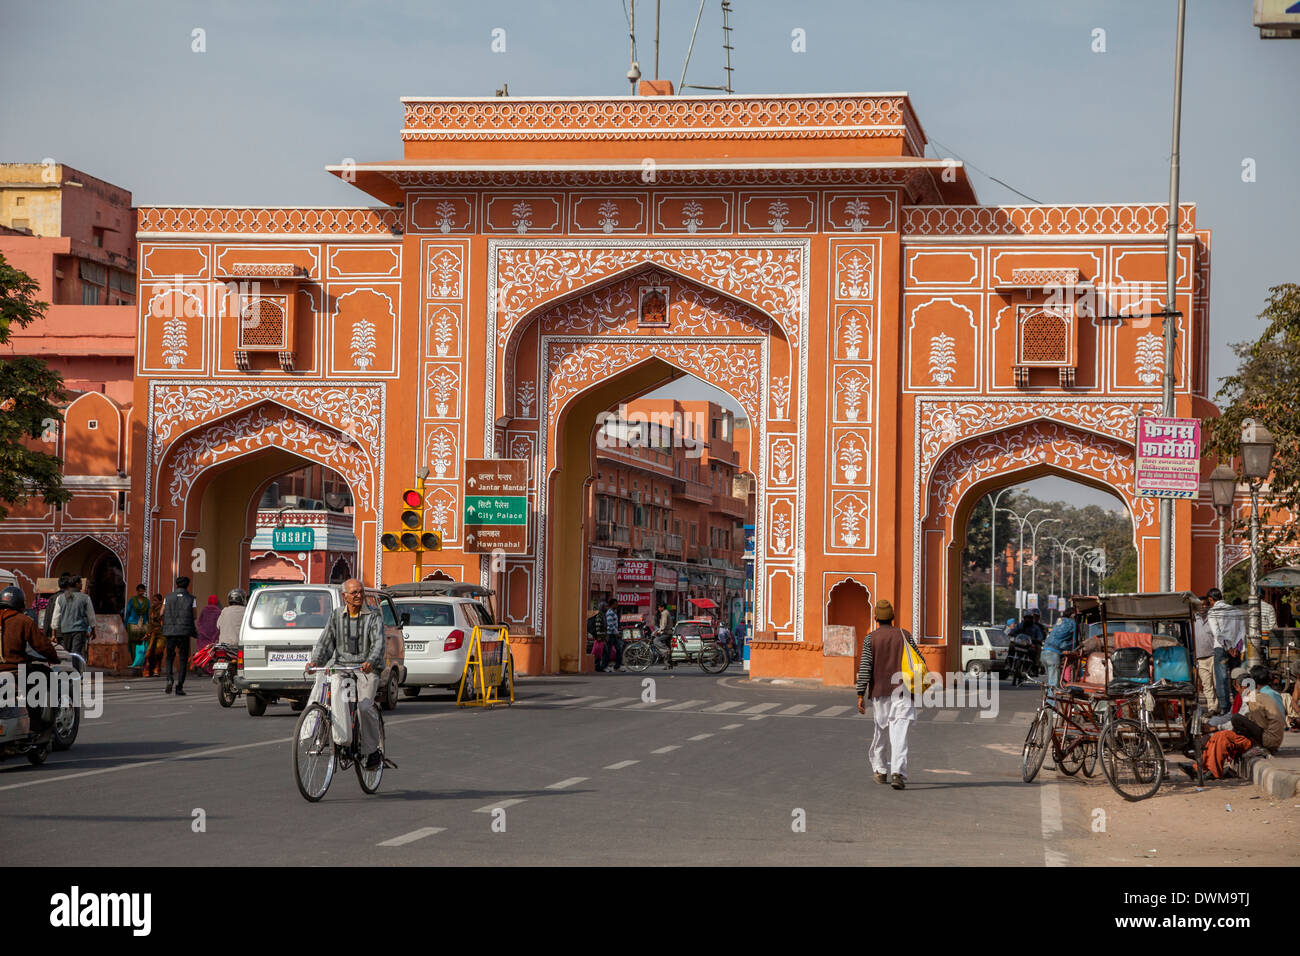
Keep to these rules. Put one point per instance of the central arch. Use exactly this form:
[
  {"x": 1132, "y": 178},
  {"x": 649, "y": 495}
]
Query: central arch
[{"x": 579, "y": 354}]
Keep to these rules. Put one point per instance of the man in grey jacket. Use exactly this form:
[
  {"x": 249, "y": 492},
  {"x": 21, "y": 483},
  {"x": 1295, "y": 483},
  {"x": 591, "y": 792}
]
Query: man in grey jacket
[{"x": 354, "y": 634}]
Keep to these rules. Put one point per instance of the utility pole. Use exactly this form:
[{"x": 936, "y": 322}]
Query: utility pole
[
  {"x": 993, "y": 555},
  {"x": 1171, "y": 302}
]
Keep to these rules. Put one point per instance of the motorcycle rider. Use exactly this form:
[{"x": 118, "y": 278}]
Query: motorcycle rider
[
  {"x": 354, "y": 634},
  {"x": 232, "y": 617},
  {"x": 17, "y": 631}
]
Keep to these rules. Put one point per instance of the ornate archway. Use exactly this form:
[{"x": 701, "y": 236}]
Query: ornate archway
[
  {"x": 644, "y": 321},
  {"x": 280, "y": 433},
  {"x": 968, "y": 470}
]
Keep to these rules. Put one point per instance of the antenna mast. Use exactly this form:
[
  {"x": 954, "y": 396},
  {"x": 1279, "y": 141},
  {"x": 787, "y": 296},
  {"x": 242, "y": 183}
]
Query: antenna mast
[{"x": 726, "y": 48}]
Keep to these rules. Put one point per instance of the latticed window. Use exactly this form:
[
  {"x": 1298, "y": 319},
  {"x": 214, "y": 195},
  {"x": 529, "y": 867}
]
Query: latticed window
[
  {"x": 1044, "y": 338},
  {"x": 262, "y": 325}
]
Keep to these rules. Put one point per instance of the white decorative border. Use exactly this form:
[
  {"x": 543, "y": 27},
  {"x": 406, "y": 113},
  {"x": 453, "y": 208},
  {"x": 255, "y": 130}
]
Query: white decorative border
[
  {"x": 800, "y": 246},
  {"x": 152, "y": 448},
  {"x": 921, "y": 475}
]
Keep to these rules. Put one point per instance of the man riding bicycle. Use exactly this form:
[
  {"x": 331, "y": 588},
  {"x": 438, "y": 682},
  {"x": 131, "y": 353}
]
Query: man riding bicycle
[{"x": 354, "y": 635}]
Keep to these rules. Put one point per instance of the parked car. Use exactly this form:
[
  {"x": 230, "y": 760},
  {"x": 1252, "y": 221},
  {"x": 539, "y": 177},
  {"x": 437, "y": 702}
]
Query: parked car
[
  {"x": 441, "y": 617},
  {"x": 280, "y": 629},
  {"x": 983, "y": 649}
]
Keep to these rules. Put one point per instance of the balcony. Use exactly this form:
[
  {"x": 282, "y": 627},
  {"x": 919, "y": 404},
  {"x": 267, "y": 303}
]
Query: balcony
[
  {"x": 610, "y": 533},
  {"x": 737, "y": 506},
  {"x": 697, "y": 491}
]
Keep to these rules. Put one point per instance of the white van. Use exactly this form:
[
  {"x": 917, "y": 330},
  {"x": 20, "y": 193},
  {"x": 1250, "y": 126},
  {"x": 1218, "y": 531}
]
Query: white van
[{"x": 280, "y": 628}]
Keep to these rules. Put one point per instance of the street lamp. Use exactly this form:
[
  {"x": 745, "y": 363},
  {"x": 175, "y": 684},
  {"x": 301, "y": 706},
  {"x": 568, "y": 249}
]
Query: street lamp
[
  {"x": 1020, "y": 554},
  {"x": 993, "y": 555},
  {"x": 1223, "y": 490},
  {"x": 1033, "y": 549},
  {"x": 1257, "y": 463}
]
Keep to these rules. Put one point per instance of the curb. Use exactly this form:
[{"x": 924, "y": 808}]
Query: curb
[{"x": 1274, "y": 781}]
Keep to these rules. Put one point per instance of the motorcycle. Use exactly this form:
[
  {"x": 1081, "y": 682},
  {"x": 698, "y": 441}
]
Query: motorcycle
[
  {"x": 54, "y": 726},
  {"x": 222, "y": 662},
  {"x": 1022, "y": 660},
  {"x": 686, "y": 648}
]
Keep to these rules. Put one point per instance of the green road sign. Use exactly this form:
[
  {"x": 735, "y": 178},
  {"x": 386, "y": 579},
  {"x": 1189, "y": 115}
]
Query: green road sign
[
  {"x": 496, "y": 509},
  {"x": 293, "y": 539}
]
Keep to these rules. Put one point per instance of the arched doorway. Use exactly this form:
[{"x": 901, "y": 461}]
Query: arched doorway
[
  {"x": 99, "y": 567},
  {"x": 970, "y": 470},
  {"x": 570, "y": 359},
  {"x": 223, "y": 469},
  {"x": 849, "y": 607}
]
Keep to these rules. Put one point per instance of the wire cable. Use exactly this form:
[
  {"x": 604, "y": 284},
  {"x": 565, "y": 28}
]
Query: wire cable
[{"x": 995, "y": 179}]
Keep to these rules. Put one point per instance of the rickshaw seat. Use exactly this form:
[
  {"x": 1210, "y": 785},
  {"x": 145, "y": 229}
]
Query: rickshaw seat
[{"x": 1133, "y": 639}]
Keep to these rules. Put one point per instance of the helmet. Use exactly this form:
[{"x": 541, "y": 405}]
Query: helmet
[
  {"x": 12, "y": 597},
  {"x": 236, "y": 596}
]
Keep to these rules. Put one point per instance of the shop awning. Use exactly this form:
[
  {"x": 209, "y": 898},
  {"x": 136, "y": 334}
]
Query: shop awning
[{"x": 704, "y": 604}]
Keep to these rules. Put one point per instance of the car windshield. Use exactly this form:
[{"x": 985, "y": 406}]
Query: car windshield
[
  {"x": 427, "y": 615},
  {"x": 997, "y": 637},
  {"x": 290, "y": 609},
  {"x": 693, "y": 630}
]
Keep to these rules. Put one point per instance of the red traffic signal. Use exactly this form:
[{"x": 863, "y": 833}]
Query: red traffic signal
[{"x": 412, "y": 498}]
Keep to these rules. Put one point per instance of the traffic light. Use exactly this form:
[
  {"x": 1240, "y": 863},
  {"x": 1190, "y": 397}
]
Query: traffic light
[{"x": 412, "y": 537}]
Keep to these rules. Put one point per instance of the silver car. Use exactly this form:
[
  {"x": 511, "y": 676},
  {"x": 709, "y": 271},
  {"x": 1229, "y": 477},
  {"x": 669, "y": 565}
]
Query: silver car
[
  {"x": 280, "y": 628},
  {"x": 440, "y": 617}
]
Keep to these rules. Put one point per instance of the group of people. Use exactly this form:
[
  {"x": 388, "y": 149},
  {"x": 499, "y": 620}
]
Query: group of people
[
  {"x": 162, "y": 628},
  {"x": 1247, "y": 710}
]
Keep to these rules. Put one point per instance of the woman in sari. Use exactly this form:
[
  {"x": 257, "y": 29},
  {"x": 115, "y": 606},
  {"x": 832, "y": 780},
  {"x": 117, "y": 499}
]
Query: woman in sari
[{"x": 155, "y": 639}]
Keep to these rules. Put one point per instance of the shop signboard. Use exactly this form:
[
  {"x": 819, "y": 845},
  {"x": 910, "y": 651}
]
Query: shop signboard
[
  {"x": 636, "y": 572},
  {"x": 1168, "y": 457}
]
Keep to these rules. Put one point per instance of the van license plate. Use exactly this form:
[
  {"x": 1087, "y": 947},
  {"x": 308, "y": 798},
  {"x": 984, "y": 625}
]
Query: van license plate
[{"x": 288, "y": 657}]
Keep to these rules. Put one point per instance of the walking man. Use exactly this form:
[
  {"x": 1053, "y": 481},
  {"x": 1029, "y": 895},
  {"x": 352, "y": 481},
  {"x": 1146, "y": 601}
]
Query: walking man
[
  {"x": 880, "y": 677},
  {"x": 614, "y": 636},
  {"x": 1228, "y": 626},
  {"x": 1204, "y": 647},
  {"x": 73, "y": 619},
  {"x": 178, "y": 626}
]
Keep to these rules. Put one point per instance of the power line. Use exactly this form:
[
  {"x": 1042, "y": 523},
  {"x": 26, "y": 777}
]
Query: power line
[{"x": 984, "y": 174}]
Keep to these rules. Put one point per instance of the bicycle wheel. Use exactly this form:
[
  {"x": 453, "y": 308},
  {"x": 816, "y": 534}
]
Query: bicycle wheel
[
  {"x": 1035, "y": 749},
  {"x": 1090, "y": 757},
  {"x": 637, "y": 656},
  {"x": 313, "y": 752},
  {"x": 369, "y": 779},
  {"x": 1071, "y": 757},
  {"x": 1131, "y": 759},
  {"x": 713, "y": 659}
]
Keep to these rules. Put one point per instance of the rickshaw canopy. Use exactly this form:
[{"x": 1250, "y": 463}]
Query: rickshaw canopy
[{"x": 1141, "y": 607}]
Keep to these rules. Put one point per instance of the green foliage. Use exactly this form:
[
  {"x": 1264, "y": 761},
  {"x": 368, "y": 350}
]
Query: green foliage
[
  {"x": 1095, "y": 526},
  {"x": 29, "y": 395},
  {"x": 1266, "y": 388}
]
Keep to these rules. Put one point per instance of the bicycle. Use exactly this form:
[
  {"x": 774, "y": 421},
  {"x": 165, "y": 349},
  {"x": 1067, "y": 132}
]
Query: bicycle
[
  {"x": 315, "y": 754},
  {"x": 1069, "y": 719}
]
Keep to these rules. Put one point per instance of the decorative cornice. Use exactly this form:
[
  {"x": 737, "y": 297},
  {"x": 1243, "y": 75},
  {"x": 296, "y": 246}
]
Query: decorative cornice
[
  {"x": 289, "y": 221},
  {"x": 1051, "y": 221},
  {"x": 916, "y": 179},
  {"x": 691, "y": 118}
]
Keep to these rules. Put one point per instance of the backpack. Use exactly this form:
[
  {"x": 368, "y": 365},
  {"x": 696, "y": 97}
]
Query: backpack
[{"x": 912, "y": 667}]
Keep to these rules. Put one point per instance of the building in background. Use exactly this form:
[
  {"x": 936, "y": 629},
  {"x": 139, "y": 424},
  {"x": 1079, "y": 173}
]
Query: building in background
[
  {"x": 667, "y": 508},
  {"x": 75, "y": 235}
]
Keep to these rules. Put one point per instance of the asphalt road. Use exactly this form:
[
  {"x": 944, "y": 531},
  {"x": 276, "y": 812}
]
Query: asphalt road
[{"x": 717, "y": 770}]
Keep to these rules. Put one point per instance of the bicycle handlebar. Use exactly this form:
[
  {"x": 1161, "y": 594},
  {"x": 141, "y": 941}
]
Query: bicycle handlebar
[{"x": 328, "y": 668}]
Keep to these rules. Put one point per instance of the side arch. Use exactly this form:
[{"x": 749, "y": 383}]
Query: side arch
[{"x": 972, "y": 469}]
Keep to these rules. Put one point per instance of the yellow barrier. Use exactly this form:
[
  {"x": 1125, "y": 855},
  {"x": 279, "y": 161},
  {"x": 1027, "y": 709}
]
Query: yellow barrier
[{"x": 487, "y": 667}]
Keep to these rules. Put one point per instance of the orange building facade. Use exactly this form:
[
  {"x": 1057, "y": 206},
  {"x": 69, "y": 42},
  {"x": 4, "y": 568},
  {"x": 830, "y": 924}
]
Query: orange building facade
[{"x": 898, "y": 350}]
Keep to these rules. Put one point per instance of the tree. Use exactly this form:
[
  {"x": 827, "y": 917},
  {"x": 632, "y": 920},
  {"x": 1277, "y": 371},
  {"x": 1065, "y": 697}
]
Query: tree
[
  {"x": 29, "y": 393},
  {"x": 1266, "y": 388}
]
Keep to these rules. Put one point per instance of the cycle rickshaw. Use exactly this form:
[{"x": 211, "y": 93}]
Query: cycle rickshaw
[{"x": 1129, "y": 693}]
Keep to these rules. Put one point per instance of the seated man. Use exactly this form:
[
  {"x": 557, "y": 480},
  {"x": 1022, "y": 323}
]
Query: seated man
[{"x": 1260, "y": 724}]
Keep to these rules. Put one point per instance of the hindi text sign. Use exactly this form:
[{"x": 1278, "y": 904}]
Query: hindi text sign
[
  {"x": 1168, "y": 457},
  {"x": 496, "y": 506}
]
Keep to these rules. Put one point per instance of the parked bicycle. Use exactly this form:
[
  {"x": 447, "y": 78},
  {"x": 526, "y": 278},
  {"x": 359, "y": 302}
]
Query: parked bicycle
[
  {"x": 316, "y": 755},
  {"x": 686, "y": 647}
]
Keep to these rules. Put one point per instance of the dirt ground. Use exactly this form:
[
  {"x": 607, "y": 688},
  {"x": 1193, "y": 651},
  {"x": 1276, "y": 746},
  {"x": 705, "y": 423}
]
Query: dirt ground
[{"x": 1178, "y": 826}]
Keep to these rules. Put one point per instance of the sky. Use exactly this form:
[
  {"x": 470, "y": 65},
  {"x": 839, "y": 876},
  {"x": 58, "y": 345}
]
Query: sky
[{"x": 1019, "y": 89}]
